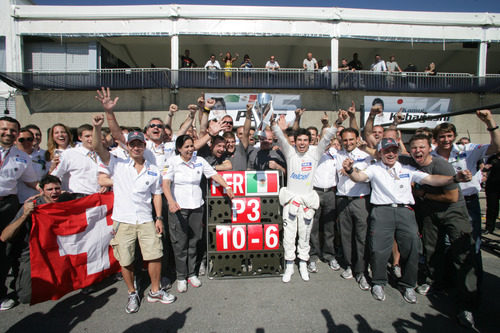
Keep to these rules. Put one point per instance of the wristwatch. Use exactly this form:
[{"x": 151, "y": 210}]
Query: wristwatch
[{"x": 159, "y": 218}]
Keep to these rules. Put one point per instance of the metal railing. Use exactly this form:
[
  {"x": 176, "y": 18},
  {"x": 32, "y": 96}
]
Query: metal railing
[{"x": 258, "y": 78}]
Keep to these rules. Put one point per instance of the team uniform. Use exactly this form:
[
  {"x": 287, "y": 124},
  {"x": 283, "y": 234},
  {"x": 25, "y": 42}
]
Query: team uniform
[
  {"x": 391, "y": 216},
  {"x": 353, "y": 207},
  {"x": 80, "y": 165},
  {"x": 325, "y": 182},
  {"x": 14, "y": 165},
  {"x": 298, "y": 198},
  {"x": 186, "y": 225}
]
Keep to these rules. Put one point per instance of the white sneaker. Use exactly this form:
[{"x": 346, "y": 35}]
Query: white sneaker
[
  {"x": 7, "y": 304},
  {"x": 347, "y": 274},
  {"x": 304, "y": 274},
  {"x": 182, "y": 286},
  {"x": 287, "y": 276},
  {"x": 194, "y": 281}
]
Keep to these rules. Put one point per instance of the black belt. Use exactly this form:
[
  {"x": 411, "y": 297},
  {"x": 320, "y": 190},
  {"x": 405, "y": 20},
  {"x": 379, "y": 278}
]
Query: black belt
[
  {"x": 393, "y": 205},
  {"x": 328, "y": 189},
  {"x": 471, "y": 197},
  {"x": 351, "y": 198}
]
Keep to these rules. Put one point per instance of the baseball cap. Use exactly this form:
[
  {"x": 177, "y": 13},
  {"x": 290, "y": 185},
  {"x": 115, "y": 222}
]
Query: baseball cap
[
  {"x": 387, "y": 143},
  {"x": 135, "y": 135}
]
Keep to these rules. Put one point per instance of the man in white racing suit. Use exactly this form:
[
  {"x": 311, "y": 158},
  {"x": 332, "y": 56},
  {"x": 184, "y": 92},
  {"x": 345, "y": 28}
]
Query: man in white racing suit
[{"x": 298, "y": 199}]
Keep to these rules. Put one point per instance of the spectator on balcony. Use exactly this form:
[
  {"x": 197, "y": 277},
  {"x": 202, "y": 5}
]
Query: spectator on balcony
[
  {"x": 247, "y": 63},
  {"x": 378, "y": 65},
  {"x": 228, "y": 61},
  {"x": 392, "y": 65},
  {"x": 344, "y": 66},
  {"x": 212, "y": 65},
  {"x": 355, "y": 63},
  {"x": 272, "y": 65},
  {"x": 410, "y": 68},
  {"x": 431, "y": 69},
  {"x": 310, "y": 65},
  {"x": 186, "y": 61}
]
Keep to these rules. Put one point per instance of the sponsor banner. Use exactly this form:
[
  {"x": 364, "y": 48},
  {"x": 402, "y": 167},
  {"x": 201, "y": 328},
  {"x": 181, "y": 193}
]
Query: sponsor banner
[
  {"x": 412, "y": 108},
  {"x": 235, "y": 105}
]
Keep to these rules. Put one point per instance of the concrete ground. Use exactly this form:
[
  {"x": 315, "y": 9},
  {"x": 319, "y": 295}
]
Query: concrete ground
[{"x": 327, "y": 303}]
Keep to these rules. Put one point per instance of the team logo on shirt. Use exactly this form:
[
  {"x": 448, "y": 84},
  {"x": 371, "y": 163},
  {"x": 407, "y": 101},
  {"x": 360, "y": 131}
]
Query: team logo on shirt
[
  {"x": 197, "y": 165},
  {"x": 151, "y": 173},
  {"x": 404, "y": 175},
  {"x": 306, "y": 166},
  {"x": 18, "y": 159},
  {"x": 299, "y": 176}
]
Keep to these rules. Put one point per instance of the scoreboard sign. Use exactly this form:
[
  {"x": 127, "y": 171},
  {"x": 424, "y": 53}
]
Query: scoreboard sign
[
  {"x": 246, "y": 230},
  {"x": 248, "y": 183}
]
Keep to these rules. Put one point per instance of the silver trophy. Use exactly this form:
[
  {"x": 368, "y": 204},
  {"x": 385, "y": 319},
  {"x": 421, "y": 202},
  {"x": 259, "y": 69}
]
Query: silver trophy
[{"x": 262, "y": 112}]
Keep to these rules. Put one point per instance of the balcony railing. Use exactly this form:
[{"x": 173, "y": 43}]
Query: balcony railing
[{"x": 259, "y": 78}]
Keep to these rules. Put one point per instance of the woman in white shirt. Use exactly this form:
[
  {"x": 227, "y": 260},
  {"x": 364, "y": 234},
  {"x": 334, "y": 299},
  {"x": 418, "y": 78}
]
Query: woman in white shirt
[{"x": 181, "y": 186}]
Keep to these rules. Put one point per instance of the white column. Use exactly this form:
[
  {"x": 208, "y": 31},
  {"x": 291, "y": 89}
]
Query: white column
[
  {"x": 174, "y": 59},
  {"x": 483, "y": 55},
  {"x": 334, "y": 54}
]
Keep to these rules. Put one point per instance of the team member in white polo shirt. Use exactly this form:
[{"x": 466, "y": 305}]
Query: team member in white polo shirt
[
  {"x": 392, "y": 216},
  {"x": 14, "y": 165},
  {"x": 80, "y": 164},
  {"x": 353, "y": 206},
  {"x": 136, "y": 183},
  {"x": 181, "y": 186},
  {"x": 465, "y": 158}
]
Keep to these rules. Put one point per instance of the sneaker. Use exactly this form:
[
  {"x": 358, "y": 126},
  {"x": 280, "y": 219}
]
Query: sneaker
[
  {"x": 347, "y": 274},
  {"x": 133, "y": 303},
  {"x": 396, "y": 270},
  {"x": 423, "y": 289},
  {"x": 312, "y": 268},
  {"x": 7, "y": 304},
  {"x": 466, "y": 319},
  {"x": 182, "y": 286},
  {"x": 409, "y": 295},
  {"x": 194, "y": 281},
  {"x": 287, "y": 276},
  {"x": 334, "y": 264},
  {"x": 378, "y": 292},
  {"x": 202, "y": 269},
  {"x": 362, "y": 283},
  {"x": 160, "y": 296},
  {"x": 304, "y": 274}
]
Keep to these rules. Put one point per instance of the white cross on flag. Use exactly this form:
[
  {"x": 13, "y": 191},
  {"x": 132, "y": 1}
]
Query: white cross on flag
[{"x": 69, "y": 246}]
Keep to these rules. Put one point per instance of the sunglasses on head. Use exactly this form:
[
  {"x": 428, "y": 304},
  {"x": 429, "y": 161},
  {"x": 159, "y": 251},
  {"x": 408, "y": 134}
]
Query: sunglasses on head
[
  {"x": 25, "y": 139},
  {"x": 156, "y": 125}
]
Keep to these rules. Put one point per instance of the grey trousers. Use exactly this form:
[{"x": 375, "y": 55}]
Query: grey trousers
[
  {"x": 185, "y": 228},
  {"x": 387, "y": 223},
  {"x": 353, "y": 222},
  {"x": 325, "y": 217}
]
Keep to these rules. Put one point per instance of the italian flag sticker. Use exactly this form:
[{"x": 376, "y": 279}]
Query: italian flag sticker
[{"x": 262, "y": 182}]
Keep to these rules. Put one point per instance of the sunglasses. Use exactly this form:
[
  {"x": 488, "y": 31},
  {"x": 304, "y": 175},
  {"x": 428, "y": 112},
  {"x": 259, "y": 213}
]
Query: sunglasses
[
  {"x": 21, "y": 140},
  {"x": 156, "y": 125},
  {"x": 228, "y": 122}
]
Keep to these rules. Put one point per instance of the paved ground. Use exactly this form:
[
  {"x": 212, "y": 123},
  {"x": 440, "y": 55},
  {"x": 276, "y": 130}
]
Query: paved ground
[{"x": 327, "y": 303}]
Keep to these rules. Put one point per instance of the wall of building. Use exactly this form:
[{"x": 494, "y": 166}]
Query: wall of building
[{"x": 75, "y": 108}]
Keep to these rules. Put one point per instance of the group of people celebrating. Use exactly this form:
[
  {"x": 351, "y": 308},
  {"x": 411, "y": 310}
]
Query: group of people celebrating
[{"x": 363, "y": 190}]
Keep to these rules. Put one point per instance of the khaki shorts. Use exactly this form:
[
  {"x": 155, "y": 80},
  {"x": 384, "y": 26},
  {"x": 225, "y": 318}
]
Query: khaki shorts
[{"x": 124, "y": 242}]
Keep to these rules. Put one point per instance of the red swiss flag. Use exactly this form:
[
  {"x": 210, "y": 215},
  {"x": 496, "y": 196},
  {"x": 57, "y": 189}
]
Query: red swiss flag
[{"x": 69, "y": 246}]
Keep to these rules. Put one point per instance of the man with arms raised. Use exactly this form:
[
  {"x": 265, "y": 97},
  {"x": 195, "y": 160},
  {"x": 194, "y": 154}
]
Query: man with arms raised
[{"x": 136, "y": 183}]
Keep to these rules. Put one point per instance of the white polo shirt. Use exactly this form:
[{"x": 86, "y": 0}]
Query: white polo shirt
[
  {"x": 133, "y": 191},
  {"x": 161, "y": 154},
  {"x": 41, "y": 168},
  {"x": 81, "y": 169},
  {"x": 345, "y": 186},
  {"x": 16, "y": 165},
  {"x": 392, "y": 185},
  {"x": 326, "y": 171},
  {"x": 465, "y": 157},
  {"x": 185, "y": 180}
]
